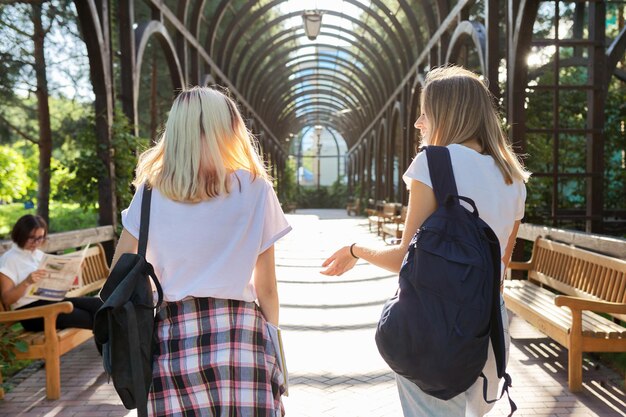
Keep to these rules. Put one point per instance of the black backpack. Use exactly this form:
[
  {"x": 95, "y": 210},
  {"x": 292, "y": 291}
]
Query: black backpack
[
  {"x": 435, "y": 331},
  {"x": 124, "y": 325}
]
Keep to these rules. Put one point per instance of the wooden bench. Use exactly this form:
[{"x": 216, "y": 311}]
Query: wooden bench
[
  {"x": 353, "y": 207},
  {"x": 51, "y": 343},
  {"x": 590, "y": 284},
  {"x": 386, "y": 214},
  {"x": 395, "y": 227}
]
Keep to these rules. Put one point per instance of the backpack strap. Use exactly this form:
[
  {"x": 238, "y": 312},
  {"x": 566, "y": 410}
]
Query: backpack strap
[
  {"x": 505, "y": 389},
  {"x": 140, "y": 394},
  {"x": 144, "y": 221},
  {"x": 441, "y": 174},
  {"x": 497, "y": 326}
]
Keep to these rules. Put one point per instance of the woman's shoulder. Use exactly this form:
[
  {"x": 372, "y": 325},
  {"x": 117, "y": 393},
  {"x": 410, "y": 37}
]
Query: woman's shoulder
[{"x": 244, "y": 179}]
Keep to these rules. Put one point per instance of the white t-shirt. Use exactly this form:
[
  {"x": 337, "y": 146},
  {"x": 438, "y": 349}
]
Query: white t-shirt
[
  {"x": 478, "y": 177},
  {"x": 17, "y": 264},
  {"x": 209, "y": 249}
]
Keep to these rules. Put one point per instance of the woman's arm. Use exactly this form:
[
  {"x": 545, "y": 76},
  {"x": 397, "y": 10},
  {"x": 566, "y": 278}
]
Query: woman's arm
[
  {"x": 422, "y": 203},
  {"x": 126, "y": 244},
  {"x": 11, "y": 293},
  {"x": 265, "y": 284},
  {"x": 508, "y": 252}
]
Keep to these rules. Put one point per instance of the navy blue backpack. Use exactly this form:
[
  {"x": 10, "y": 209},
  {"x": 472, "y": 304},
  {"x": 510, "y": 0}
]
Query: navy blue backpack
[{"x": 435, "y": 331}]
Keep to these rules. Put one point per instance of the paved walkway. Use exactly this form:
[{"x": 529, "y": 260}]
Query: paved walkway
[{"x": 335, "y": 369}]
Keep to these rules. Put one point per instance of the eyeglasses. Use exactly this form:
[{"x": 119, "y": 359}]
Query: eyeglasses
[{"x": 37, "y": 239}]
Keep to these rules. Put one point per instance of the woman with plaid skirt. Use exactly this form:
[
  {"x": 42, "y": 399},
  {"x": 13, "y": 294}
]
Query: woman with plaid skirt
[{"x": 214, "y": 221}]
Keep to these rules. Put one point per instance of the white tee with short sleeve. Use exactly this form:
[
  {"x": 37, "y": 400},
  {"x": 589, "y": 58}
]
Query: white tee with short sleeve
[
  {"x": 17, "y": 264},
  {"x": 210, "y": 248},
  {"x": 478, "y": 177}
]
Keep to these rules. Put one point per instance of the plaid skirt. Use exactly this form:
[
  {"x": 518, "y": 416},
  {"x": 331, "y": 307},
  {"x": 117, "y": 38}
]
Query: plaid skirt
[{"x": 214, "y": 358}]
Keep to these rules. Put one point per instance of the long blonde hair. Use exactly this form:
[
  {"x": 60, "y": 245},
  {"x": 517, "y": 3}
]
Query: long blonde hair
[
  {"x": 205, "y": 139},
  {"x": 460, "y": 107}
]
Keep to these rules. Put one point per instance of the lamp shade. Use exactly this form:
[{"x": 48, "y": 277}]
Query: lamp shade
[
  {"x": 312, "y": 20},
  {"x": 318, "y": 129}
]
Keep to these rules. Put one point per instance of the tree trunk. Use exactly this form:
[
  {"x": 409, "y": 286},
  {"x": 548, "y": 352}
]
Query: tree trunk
[{"x": 43, "y": 114}]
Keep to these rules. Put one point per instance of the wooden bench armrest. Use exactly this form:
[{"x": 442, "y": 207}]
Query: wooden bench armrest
[
  {"x": 577, "y": 303},
  {"x": 51, "y": 310},
  {"x": 520, "y": 266}
]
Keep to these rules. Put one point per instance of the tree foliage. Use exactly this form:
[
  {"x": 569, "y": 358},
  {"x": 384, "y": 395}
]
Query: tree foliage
[
  {"x": 14, "y": 179},
  {"x": 84, "y": 168}
]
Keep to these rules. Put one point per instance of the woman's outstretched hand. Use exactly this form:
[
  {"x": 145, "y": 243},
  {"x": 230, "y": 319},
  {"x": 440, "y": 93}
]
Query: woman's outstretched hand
[{"x": 339, "y": 262}]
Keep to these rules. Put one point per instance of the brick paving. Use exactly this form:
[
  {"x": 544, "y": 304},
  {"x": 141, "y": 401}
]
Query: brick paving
[{"x": 329, "y": 326}]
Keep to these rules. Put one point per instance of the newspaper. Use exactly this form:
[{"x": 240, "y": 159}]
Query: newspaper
[{"x": 62, "y": 274}]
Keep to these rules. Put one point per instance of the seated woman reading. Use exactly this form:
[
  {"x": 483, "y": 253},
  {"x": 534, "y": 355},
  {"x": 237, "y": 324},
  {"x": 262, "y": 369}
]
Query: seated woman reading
[{"x": 18, "y": 270}]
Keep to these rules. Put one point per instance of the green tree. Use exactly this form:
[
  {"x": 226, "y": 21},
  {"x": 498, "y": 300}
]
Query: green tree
[
  {"x": 14, "y": 180},
  {"x": 80, "y": 184}
]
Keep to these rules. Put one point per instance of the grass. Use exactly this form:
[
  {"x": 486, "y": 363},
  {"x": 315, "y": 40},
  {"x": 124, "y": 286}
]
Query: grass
[{"x": 63, "y": 217}]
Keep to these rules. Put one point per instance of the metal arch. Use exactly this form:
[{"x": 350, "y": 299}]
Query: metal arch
[
  {"x": 397, "y": 133},
  {"x": 181, "y": 46},
  {"x": 431, "y": 19},
  {"x": 313, "y": 118},
  {"x": 413, "y": 23},
  {"x": 320, "y": 114},
  {"x": 356, "y": 95},
  {"x": 381, "y": 165},
  {"x": 321, "y": 102},
  {"x": 269, "y": 72},
  {"x": 268, "y": 42},
  {"x": 342, "y": 38},
  {"x": 358, "y": 82},
  {"x": 269, "y": 68},
  {"x": 142, "y": 34},
  {"x": 373, "y": 59},
  {"x": 519, "y": 45},
  {"x": 259, "y": 12},
  {"x": 194, "y": 28},
  {"x": 375, "y": 82},
  {"x": 419, "y": 63},
  {"x": 330, "y": 75},
  {"x": 614, "y": 53},
  {"x": 290, "y": 89},
  {"x": 218, "y": 14},
  {"x": 314, "y": 102},
  {"x": 171, "y": 19},
  {"x": 324, "y": 92},
  {"x": 246, "y": 78},
  {"x": 277, "y": 86},
  {"x": 473, "y": 31}
]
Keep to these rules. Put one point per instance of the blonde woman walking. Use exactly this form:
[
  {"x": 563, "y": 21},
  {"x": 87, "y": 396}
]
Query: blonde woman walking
[
  {"x": 457, "y": 112},
  {"x": 213, "y": 224}
]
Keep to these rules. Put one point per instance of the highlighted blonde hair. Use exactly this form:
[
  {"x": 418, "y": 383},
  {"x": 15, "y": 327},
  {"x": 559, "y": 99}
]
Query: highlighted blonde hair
[
  {"x": 460, "y": 107},
  {"x": 204, "y": 141}
]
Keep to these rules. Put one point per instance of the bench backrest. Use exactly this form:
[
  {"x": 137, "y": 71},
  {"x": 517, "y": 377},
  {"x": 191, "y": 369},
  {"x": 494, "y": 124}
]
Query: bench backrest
[
  {"x": 579, "y": 272},
  {"x": 94, "y": 267},
  {"x": 389, "y": 209}
]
